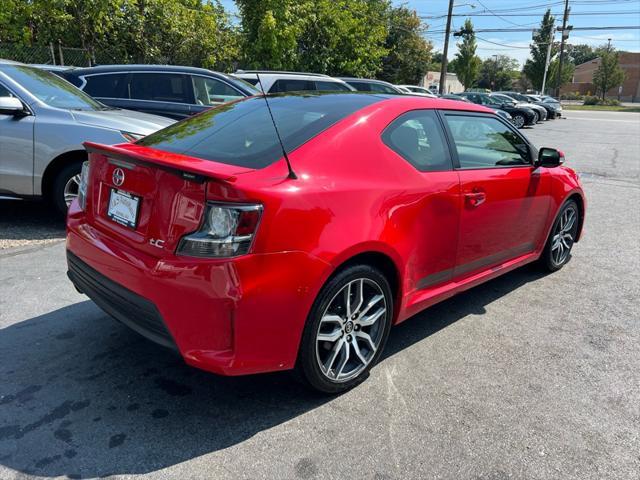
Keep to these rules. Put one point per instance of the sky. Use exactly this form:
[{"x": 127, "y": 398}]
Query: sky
[{"x": 525, "y": 14}]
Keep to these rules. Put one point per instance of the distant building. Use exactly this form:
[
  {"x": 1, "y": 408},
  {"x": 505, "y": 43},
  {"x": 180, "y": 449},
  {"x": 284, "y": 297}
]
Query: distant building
[
  {"x": 582, "y": 81},
  {"x": 452, "y": 84}
]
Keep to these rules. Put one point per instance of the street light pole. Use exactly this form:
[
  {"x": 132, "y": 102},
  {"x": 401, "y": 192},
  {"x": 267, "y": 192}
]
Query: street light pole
[
  {"x": 445, "y": 51},
  {"x": 546, "y": 64}
]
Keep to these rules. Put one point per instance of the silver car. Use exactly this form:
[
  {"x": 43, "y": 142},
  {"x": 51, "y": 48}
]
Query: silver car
[{"x": 43, "y": 122}]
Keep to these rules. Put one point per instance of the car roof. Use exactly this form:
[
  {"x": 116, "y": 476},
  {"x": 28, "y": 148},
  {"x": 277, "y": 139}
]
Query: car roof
[
  {"x": 143, "y": 68},
  {"x": 364, "y": 80}
]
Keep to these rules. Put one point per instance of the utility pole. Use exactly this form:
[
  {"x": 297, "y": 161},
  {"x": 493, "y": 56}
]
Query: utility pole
[
  {"x": 565, "y": 34},
  {"x": 443, "y": 70},
  {"x": 546, "y": 64}
]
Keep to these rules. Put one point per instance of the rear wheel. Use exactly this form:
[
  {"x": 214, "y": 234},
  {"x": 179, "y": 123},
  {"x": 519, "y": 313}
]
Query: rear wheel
[
  {"x": 346, "y": 330},
  {"x": 564, "y": 232},
  {"x": 65, "y": 186},
  {"x": 518, "y": 120}
]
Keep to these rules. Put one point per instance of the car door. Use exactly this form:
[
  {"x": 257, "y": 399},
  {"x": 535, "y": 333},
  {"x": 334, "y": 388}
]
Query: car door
[
  {"x": 504, "y": 199},
  {"x": 16, "y": 151},
  {"x": 418, "y": 137},
  {"x": 108, "y": 88},
  {"x": 160, "y": 93}
]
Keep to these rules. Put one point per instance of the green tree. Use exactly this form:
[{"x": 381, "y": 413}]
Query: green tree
[
  {"x": 581, "y": 53},
  {"x": 608, "y": 74},
  {"x": 498, "y": 72},
  {"x": 409, "y": 54},
  {"x": 534, "y": 66},
  {"x": 271, "y": 31},
  {"x": 466, "y": 63}
]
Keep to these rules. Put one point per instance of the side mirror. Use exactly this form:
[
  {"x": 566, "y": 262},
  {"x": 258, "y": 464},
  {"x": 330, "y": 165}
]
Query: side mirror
[
  {"x": 549, "y": 157},
  {"x": 11, "y": 106}
]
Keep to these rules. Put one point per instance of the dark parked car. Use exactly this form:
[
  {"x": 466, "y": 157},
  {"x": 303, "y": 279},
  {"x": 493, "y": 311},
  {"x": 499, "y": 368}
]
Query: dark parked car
[
  {"x": 530, "y": 99},
  {"x": 550, "y": 103},
  {"x": 370, "y": 85},
  {"x": 171, "y": 91},
  {"x": 453, "y": 96},
  {"x": 522, "y": 116}
]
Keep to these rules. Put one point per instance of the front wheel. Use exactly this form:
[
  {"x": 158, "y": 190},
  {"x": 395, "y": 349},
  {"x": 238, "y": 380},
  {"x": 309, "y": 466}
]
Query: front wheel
[
  {"x": 518, "y": 120},
  {"x": 536, "y": 118},
  {"x": 346, "y": 330},
  {"x": 564, "y": 232}
]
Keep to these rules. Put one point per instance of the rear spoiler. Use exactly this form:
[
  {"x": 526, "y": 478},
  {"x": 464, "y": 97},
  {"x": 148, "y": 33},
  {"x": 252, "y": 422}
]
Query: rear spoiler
[{"x": 130, "y": 152}]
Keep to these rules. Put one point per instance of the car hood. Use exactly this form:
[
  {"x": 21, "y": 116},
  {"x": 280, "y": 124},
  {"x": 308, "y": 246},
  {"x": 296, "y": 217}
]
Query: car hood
[{"x": 123, "y": 120}]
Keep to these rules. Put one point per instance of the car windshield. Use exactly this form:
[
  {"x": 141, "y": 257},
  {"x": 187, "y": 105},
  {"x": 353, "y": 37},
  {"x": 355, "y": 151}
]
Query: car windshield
[
  {"x": 242, "y": 133},
  {"x": 51, "y": 89}
]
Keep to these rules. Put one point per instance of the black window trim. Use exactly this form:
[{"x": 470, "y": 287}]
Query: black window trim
[
  {"x": 454, "y": 151},
  {"x": 447, "y": 144},
  {"x": 26, "y": 106},
  {"x": 131, "y": 72}
]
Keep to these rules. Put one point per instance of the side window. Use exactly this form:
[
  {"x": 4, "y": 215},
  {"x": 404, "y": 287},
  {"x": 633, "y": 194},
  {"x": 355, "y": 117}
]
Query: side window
[
  {"x": 484, "y": 142},
  {"x": 291, "y": 85},
  {"x": 331, "y": 87},
  {"x": 210, "y": 91},
  {"x": 4, "y": 92},
  {"x": 417, "y": 136},
  {"x": 380, "y": 88},
  {"x": 161, "y": 87},
  {"x": 111, "y": 85},
  {"x": 361, "y": 86}
]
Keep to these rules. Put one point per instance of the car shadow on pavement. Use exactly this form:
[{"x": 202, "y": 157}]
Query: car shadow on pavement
[
  {"x": 22, "y": 222},
  {"x": 83, "y": 396}
]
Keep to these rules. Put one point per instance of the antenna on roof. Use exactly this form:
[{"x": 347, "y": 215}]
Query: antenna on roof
[{"x": 292, "y": 174}]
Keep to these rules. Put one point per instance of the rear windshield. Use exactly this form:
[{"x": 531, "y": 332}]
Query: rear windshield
[{"x": 242, "y": 133}]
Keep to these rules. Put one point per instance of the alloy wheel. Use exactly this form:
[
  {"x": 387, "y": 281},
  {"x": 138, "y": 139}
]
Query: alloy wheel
[
  {"x": 564, "y": 236},
  {"x": 518, "y": 121},
  {"x": 71, "y": 189},
  {"x": 351, "y": 330}
]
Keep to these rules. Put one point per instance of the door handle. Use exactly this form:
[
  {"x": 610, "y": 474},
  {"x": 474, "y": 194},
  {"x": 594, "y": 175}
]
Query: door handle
[{"x": 475, "y": 198}]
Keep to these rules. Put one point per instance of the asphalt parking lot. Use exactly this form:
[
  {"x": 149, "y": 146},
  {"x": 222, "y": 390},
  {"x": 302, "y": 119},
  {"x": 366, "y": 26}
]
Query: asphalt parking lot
[{"x": 530, "y": 376}]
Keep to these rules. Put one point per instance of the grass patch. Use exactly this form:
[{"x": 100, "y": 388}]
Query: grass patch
[{"x": 602, "y": 108}]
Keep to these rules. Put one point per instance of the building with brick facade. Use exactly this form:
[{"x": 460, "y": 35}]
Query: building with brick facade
[{"x": 582, "y": 81}]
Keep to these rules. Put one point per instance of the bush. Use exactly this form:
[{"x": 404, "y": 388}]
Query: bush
[
  {"x": 571, "y": 96},
  {"x": 609, "y": 102}
]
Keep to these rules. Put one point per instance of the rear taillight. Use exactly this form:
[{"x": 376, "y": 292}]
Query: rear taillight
[
  {"x": 82, "y": 188},
  {"x": 227, "y": 231}
]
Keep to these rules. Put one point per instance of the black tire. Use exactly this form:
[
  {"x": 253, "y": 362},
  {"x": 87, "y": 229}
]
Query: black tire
[
  {"x": 308, "y": 364},
  {"x": 549, "y": 259},
  {"x": 57, "y": 191},
  {"x": 519, "y": 120},
  {"x": 536, "y": 118}
]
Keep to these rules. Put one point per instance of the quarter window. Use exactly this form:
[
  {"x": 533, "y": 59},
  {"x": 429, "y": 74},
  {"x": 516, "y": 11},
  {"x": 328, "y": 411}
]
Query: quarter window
[
  {"x": 210, "y": 91},
  {"x": 417, "y": 137},
  {"x": 484, "y": 142},
  {"x": 161, "y": 87}
]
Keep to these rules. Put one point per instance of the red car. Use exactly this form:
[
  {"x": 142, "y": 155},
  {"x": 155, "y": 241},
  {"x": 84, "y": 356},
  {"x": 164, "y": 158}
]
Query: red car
[{"x": 203, "y": 239}]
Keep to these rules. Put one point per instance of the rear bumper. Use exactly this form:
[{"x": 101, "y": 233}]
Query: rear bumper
[{"x": 232, "y": 317}]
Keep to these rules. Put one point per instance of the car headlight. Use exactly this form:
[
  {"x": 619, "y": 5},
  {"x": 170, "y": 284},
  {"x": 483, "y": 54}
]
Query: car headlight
[{"x": 131, "y": 137}]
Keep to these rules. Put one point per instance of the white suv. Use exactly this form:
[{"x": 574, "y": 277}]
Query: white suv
[{"x": 277, "y": 82}]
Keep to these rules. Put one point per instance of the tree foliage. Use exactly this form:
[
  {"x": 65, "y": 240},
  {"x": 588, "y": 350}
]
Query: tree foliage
[
  {"x": 409, "y": 54},
  {"x": 534, "y": 66},
  {"x": 466, "y": 63},
  {"x": 581, "y": 53},
  {"x": 499, "y": 73},
  {"x": 608, "y": 74}
]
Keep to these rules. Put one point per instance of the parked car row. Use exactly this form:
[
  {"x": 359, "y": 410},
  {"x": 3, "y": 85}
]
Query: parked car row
[{"x": 44, "y": 120}]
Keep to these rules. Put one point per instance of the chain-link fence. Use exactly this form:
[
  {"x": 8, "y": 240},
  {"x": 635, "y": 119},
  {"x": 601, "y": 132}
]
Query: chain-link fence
[{"x": 52, "y": 54}]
